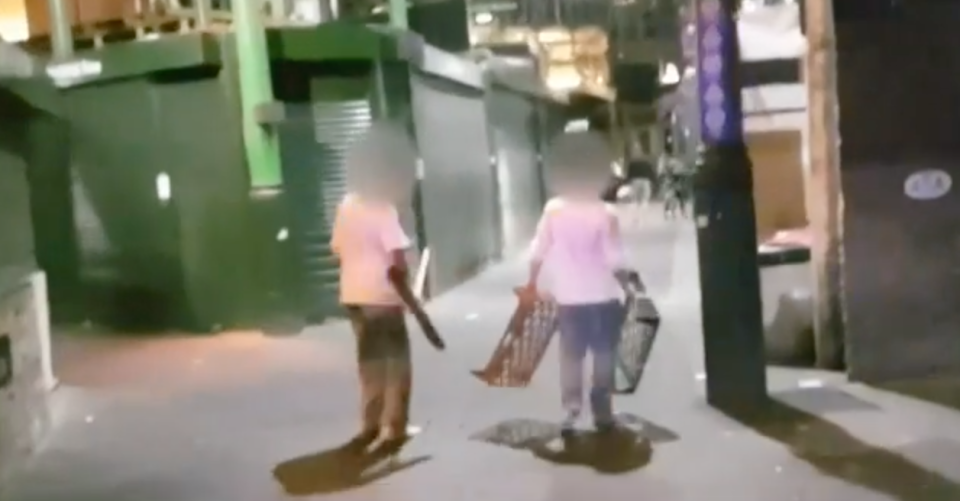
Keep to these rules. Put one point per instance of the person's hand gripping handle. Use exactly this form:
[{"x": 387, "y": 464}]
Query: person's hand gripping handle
[{"x": 398, "y": 278}]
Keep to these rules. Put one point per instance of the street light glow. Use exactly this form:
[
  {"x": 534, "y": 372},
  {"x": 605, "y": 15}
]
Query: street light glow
[{"x": 669, "y": 75}]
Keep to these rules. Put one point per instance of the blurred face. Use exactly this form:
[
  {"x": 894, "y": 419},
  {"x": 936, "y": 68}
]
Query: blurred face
[
  {"x": 382, "y": 165},
  {"x": 578, "y": 165}
]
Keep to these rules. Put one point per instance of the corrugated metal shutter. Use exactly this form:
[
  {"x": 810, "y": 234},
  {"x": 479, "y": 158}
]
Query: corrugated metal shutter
[
  {"x": 458, "y": 188},
  {"x": 512, "y": 118},
  {"x": 313, "y": 145}
]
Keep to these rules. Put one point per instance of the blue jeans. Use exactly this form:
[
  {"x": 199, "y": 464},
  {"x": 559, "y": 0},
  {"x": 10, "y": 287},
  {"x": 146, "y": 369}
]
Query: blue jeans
[{"x": 594, "y": 328}]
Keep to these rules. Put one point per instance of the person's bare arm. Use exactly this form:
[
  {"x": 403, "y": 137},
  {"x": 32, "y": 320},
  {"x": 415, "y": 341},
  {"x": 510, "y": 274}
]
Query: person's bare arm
[
  {"x": 395, "y": 241},
  {"x": 542, "y": 242},
  {"x": 616, "y": 254},
  {"x": 399, "y": 264}
]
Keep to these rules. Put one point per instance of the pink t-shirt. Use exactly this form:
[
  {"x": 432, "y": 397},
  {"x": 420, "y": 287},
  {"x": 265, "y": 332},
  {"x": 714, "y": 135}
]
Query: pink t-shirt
[
  {"x": 365, "y": 235},
  {"x": 579, "y": 243}
]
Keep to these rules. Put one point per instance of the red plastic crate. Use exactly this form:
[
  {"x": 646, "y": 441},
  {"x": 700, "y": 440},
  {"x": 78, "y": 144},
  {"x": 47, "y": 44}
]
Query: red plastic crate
[{"x": 521, "y": 349}]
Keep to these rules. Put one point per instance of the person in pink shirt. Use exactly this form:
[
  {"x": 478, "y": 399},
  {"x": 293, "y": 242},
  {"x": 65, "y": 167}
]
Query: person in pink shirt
[
  {"x": 369, "y": 241},
  {"x": 578, "y": 248}
]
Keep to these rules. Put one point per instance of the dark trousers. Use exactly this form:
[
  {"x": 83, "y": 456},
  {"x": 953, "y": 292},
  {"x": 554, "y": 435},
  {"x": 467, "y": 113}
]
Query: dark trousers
[{"x": 383, "y": 358}]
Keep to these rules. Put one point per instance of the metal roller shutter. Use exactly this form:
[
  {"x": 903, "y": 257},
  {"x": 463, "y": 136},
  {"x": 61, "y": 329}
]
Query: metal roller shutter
[
  {"x": 520, "y": 183},
  {"x": 458, "y": 189},
  {"x": 314, "y": 140}
]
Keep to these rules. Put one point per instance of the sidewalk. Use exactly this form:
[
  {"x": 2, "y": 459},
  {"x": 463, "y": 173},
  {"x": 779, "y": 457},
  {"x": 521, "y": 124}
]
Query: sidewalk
[{"x": 208, "y": 419}]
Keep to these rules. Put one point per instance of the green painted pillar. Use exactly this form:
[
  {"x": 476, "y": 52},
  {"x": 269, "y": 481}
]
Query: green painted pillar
[
  {"x": 398, "y": 14},
  {"x": 61, "y": 29},
  {"x": 256, "y": 90},
  {"x": 267, "y": 299}
]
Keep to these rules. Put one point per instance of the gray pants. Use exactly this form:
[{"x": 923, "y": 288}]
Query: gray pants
[
  {"x": 594, "y": 329},
  {"x": 383, "y": 357}
]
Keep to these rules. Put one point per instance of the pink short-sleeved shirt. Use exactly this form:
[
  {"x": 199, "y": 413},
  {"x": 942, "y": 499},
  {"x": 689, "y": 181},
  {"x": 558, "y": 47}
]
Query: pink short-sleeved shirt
[
  {"x": 365, "y": 235},
  {"x": 580, "y": 245}
]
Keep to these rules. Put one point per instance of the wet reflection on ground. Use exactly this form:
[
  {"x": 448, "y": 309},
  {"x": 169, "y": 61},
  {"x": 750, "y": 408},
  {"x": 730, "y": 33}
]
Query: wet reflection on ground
[
  {"x": 621, "y": 451},
  {"x": 610, "y": 453}
]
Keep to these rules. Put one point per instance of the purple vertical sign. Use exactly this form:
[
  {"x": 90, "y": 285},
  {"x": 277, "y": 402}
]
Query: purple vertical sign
[{"x": 721, "y": 119}]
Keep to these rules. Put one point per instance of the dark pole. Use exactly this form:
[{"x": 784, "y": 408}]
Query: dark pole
[{"x": 724, "y": 216}]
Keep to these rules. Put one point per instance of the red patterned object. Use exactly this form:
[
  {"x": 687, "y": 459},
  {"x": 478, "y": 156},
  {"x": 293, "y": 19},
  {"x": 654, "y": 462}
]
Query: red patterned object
[
  {"x": 520, "y": 350},
  {"x": 534, "y": 324}
]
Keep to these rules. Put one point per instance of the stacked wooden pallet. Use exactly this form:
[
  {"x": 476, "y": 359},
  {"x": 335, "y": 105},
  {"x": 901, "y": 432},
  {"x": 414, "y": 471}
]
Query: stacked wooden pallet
[
  {"x": 574, "y": 60},
  {"x": 99, "y": 22}
]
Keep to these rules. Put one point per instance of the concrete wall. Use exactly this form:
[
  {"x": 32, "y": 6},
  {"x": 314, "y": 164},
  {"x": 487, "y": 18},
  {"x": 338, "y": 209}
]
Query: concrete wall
[
  {"x": 25, "y": 366},
  {"x": 25, "y": 375},
  {"x": 899, "y": 93}
]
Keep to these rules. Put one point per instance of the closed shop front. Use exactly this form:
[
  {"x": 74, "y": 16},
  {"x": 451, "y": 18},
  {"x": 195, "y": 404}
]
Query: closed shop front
[
  {"x": 458, "y": 190},
  {"x": 314, "y": 140},
  {"x": 519, "y": 176}
]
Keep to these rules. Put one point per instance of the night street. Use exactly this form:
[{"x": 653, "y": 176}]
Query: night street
[{"x": 243, "y": 417}]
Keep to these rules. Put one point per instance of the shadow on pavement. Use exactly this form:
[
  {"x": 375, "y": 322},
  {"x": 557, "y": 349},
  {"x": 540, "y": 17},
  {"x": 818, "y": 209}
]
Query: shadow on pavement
[
  {"x": 618, "y": 452},
  {"x": 526, "y": 433},
  {"x": 611, "y": 453},
  {"x": 836, "y": 453},
  {"x": 339, "y": 469},
  {"x": 943, "y": 392}
]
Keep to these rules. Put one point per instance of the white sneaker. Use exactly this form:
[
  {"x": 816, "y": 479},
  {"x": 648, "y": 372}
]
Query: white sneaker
[{"x": 569, "y": 423}]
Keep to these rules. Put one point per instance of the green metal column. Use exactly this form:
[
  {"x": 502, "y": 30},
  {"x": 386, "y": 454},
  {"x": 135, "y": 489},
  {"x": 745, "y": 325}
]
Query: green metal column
[
  {"x": 260, "y": 143},
  {"x": 398, "y": 14},
  {"x": 61, "y": 32},
  {"x": 268, "y": 249}
]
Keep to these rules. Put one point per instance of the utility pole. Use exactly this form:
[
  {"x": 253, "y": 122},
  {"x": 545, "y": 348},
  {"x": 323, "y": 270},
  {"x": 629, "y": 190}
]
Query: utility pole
[
  {"x": 824, "y": 191},
  {"x": 732, "y": 313}
]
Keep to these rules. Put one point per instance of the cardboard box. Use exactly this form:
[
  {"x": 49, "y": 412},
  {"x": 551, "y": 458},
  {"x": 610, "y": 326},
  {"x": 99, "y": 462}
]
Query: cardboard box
[{"x": 778, "y": 180}]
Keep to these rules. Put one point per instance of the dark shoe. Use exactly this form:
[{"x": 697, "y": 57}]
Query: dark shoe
[
  {"x": 568, "y": 427},
  {"x": 610, "y": 426},
  {"x": 389, "y": 445},
  {"x": 363, "y": 440}
]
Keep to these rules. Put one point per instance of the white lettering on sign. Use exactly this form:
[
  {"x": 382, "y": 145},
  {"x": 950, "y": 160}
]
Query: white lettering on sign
[
  {"x": 714, "y": 95},
  {"x": 927, "y": 184},
  {"x": 713, "y": 65},
  {"x": 715, "y": 120}
]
